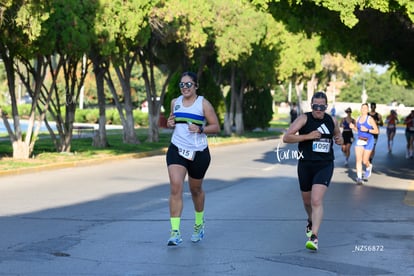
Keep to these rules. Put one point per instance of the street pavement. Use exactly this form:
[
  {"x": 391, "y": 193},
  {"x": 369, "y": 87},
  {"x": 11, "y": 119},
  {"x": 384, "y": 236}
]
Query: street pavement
[{"x": 112, "y": 218}]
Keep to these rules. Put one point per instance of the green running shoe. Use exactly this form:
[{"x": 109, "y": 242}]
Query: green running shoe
[
  {"x": 175, "y": 238},
  {"x": 198, "y": 233},
  {"x": 312, "y": 243}
]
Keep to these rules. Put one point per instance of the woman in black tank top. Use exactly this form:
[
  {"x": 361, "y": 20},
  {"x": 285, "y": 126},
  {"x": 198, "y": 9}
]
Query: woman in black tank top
[{"x": 315, "y": 132}]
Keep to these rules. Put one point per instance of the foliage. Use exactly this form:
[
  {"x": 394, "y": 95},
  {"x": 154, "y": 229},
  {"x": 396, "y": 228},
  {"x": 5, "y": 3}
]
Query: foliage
[
  {"x": 337, "y": 68},
  {"x": 173, "y": 91},
  {"x": 356, "y": 30},
  {"x": 237, "y": 27},
  {"x": 299, "y": 57},
  {"x": 211, "y": 91},
  {"x": 92, "y": 116},
  {"x": 378, "y": 88},
  {"x": 262, "y": 42},
  {"x": 207, "y": 88},
  {"x": 257, "y": 109},
  {"x": 140, "y": 118}
]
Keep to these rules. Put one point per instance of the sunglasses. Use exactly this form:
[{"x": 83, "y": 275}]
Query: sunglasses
[
  {"x": 186, "y": 84},
  {"x": 319, "y": 107}
]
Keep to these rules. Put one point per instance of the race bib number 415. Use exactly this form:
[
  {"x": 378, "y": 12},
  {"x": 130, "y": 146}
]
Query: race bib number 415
[
  {"x": 187, "y": 154},
  {"x": 323, "y": 146}
]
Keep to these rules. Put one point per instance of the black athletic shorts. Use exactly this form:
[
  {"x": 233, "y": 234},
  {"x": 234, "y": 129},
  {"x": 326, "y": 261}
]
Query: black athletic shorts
[
  {"x": 314, "y": 172},
  {"x": 196, "y": 168},
  {"x": 348, "y": 137}
]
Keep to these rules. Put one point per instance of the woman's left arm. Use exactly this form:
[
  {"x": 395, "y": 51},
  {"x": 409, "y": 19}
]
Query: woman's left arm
[{"x": 212, "y": 126}]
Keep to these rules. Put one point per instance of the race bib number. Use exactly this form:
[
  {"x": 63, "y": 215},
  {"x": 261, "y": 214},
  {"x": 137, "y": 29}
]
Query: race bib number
[
  {"x": 187, "y": 154},
  {"x": 361, "y": 142},
  {"x": 323, "y": 146}
]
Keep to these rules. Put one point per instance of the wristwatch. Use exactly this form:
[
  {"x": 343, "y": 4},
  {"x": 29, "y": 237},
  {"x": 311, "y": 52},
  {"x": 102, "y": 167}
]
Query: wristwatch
[{"x": 200, "y": 129}]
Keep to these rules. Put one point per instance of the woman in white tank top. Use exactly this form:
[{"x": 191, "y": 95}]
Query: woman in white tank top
[{"x": 192, "y": 117}]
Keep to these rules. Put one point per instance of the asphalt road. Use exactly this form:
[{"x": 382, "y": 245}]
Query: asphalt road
[{"x": 113, "y": 218}]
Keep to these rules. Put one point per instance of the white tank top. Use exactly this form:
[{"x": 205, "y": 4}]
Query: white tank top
[{"x": 182, "y": 137}]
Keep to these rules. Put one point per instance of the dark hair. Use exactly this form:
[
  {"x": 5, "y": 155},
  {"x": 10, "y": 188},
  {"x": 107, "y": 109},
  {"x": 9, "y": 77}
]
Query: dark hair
[
  {"x": 373, "y": 104},
  {"x": 320, "y": 95},
  {"x": 192, "y": 75}
]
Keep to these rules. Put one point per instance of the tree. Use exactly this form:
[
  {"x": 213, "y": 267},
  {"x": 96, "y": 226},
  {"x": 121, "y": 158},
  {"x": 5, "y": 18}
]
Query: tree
[
  {"x": 23, "y": 21},
  {"x": 300, "y": 62},
  {"x": 257, "y": 109},
  {"x": 238, "y": 28},
  {"x": 174, "y": 39},
  {"x": 69, "y": 31},
  {"x": 352, "y": 27},
  {"x": 379, "y": 88},
  {"x": 4, "y": 5},
  {"x": 122, "y": 31}
]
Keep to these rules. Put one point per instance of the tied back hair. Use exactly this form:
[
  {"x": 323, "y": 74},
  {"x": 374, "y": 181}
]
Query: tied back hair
[
  {"x": 192, "y": 75},
  {"x": 320, "y": 95}
]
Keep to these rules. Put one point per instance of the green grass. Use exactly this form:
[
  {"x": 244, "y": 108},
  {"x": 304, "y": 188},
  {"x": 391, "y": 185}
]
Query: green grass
[{"x": 81, "y": 148}]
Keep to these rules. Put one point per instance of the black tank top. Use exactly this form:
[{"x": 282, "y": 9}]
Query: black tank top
[
  {"x": 375, "y": 116},
  {"x": 320, "y": 149}
]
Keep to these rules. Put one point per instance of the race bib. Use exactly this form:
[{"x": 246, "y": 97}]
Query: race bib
[
  {"x": 411, "y": 128},
  {"x": 187, "y": 154},
  {"x": 361, "y": 142},
  {"x": 322, "y": 145}
]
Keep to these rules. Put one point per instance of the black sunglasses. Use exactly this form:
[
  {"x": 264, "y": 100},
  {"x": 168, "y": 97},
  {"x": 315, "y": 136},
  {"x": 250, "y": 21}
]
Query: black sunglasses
[
  {"x": 319, "y": 107},
  {"x": 186, "y": 84}
]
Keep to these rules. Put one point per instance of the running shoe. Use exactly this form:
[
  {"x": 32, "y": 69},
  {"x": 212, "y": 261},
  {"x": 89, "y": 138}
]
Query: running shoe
[
  {"x": 198, "y": 233},
  {"x": 346, "y": 163},
  {"x": 368, "y": 171},
  {"x": 175, "y": 238},
  {"x": 312, "y": 243},
  {"x": 359, "y": 181},
  {"x": 309, "y": 229}
]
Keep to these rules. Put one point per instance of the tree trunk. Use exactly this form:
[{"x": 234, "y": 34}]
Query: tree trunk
[
  {"x": 311, "y": 86},
  {"x": 99, "y": 137},
  {"x": 21, "y": 150},
  {"x": 124, "y": 76},
  {"x": 299, "y": 89},
  {"x": 239, "y": 111},
  {"x": 229, "y": 117},
  {"x": 130, "y": 136},
  {"x": 154, "y": 102},
  {"x": 239, "y": 107},
  {"x": 153, "y": 132},
  {"x": 227, "y": 123}
]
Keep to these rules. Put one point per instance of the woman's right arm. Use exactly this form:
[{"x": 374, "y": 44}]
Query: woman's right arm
[
  {"x": 291, "y": 135},
  {"x": 171, "y": 118}
]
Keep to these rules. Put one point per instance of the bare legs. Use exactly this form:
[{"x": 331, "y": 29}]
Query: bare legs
[
  {"x": 362, "y": 157},
  {"x": 390, "y": 137},
  {"x": 177, "y": 175},
  {"x": 313, "y": 202},
  {"x": 346, "y": 149}
]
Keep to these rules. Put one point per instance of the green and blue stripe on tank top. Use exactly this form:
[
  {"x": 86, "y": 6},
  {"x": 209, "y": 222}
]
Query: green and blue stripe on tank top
[{"x": 186, "y": 118}]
